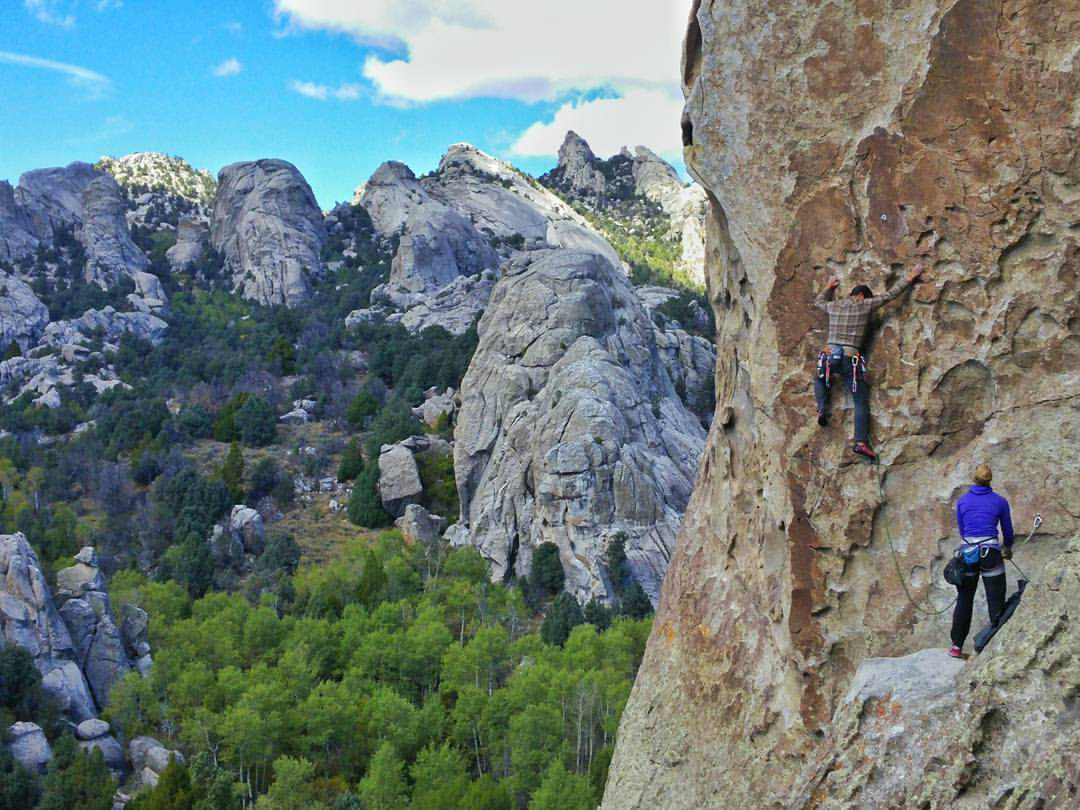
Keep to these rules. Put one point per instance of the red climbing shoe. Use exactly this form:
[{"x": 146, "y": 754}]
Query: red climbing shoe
[
  {"x": 864, "y": 449},
  {"x": 956, "y": 652}
]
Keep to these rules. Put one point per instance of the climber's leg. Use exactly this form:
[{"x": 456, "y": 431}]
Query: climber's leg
[
  {"x": 861, "y": 397},
  {"x": 994, "y": 584},
  {"x": 965, "y": 601}
]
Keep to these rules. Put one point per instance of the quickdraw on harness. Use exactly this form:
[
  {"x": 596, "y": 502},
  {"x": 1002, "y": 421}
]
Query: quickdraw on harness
[{"x": 834, "y": 355}]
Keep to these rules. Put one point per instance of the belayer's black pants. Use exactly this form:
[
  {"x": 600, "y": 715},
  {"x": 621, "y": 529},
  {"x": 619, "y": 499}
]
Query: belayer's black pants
[
  {"x": 992, "y": 568},
  {"x": 841, "y": 373}
]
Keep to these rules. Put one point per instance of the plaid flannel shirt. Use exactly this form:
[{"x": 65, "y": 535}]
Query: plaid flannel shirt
[{"x": 849, "y": 317}]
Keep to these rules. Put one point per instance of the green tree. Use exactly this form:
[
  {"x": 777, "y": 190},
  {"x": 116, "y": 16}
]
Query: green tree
[
  {"x": 615, "y": 562},
  {"x": 18, "y": 787},
  {"x": 562, "y": 790},
  {"x": 76, "y": 779},
  {"x": 546, "y": 574},
  {"x": 635, "y": 603},
  {"x": 352, "y": 461},
  {"x": 563, "y": 615},
  {"x": 365, "y": 506},
  {"x": 232, "y": 472},
  {"x": 172, "y": 792},
  {"x": 598, "y": 615},
  {"x": 20, "y": 681},
  {"x": 293, "y": 787},
  {"x": 256, "y": 422},
  {"x": 440, "y": 781},
  {"x": 282, "y": 356},
  {"x": 362, "y": 408},
  {"x": 225, "y": 429},
  {"x": 383, "y": 788}
]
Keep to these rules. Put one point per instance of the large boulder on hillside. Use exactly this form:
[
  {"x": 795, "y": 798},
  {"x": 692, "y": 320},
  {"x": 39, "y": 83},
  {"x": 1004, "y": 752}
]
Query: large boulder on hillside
[
  {"x": 29, "y": 618},
  {"x": 856, "y": 139},
  {"x": 268, "y": 226},
  {"x": 246, "y": 526},
  {"x": 399, "y": 478},
  {"x": 52, "y": 199},
  {"x": 29, "y": 746},
  {"x": 570, "y": 430},
  {"x": 23, "y": 317}
]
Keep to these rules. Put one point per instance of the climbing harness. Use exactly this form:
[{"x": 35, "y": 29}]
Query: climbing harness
[{"x": 832, "y": 356}]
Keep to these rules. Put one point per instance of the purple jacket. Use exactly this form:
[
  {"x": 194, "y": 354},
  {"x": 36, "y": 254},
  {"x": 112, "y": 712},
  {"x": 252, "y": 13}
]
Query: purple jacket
[{"x": 979, "y": 512}]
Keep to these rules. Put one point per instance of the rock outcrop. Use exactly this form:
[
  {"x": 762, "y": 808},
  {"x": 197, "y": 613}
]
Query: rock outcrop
[
  {"x": 22, "y": 316},
  {"x": 436, "y": 244},
  {"x": 192, "y": 239},
  {"x": 16, "y": 232},
  {"x": 570, "y": 430},
  {"x": 269, "y": 229},
  {"x": 399, "y": 478},
  {"x": 29, "y": 746},
  {"x": 99, "y": 645},
  {"x": 833, "y": 136},
  {"x": 29, "y": 618}
]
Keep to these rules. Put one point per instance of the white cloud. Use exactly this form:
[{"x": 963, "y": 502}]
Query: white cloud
[
  {"x": 651, "y": 117},
  {"x": 52, "y": 12},
  {"x": 324, "y": 92},
  {"x": 92, "y": 82},
  {"x": 106, "y": 5},
  {"x": 230, "y": 67},
  {"x": 557, "y": 50}
]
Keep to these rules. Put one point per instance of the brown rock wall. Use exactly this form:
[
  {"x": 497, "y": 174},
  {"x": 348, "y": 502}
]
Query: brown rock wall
[{"x": 855, "y": 138}]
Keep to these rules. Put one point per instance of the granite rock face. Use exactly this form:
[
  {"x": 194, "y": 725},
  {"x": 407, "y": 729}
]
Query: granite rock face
[
  {"x": 22, "y": 316},
  {"x": 110, "y": 253},
  {"x": 16, "y": 232},
  {"x": 192, "y": 239},
  {"x": 29, "y": 618},
  {"x": 270, "y": 230},
  {"x": 399, "y": 479},
  {"x": 829, "y": 137},
  {"x": 570, "y": 430},
  {"x": 29, "y": 746}
]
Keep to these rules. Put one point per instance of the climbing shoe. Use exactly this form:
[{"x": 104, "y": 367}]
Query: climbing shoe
[
  {"x": 956, "y": 652},
  {"x": 822, "y": 418},
  {"x": 864, "y": 450}
]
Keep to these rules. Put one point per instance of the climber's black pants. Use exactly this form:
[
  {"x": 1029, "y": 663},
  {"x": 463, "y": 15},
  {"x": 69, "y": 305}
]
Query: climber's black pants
[
  {"x": 992, "y": 568},
  {"x": 840, "y": 374}
]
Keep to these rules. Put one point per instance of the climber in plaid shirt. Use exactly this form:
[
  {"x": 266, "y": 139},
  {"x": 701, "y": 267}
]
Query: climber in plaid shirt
[{"x": 848, "y": 319}]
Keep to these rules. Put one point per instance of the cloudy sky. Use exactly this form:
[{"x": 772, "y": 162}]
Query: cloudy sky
[{"x": 335, "y": 86}]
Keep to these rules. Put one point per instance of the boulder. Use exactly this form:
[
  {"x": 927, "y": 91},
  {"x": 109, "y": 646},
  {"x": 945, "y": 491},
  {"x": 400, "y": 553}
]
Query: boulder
[
  {"x": 22, "y": 316},
  {"x": 268, "y": 226},
  {"x": 436, "y": 406},
  {"x": 29, "y": 746},
  {"x": 399, "y": 479},
  {"x": 146, "y": 752},
  {"x": 77, "y": 579},
  {"x": 418, "y": 525},
  {"x": 110, "y": 749},
  {"x": 295, "y": 417},
  {"x": 246, "y": 526},
  {"x": 928, "y": 131},
  {"x": 570, "y": 430},
  {"x": 192, "y": 240},
  {"x": 92, "y": 729},
  {"x": 135, "y": 630}
]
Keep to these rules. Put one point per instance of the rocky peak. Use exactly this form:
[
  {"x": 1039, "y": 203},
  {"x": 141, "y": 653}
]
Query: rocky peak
[
  {"x": 53, "y": 198},
  {"x": 875, "y": 145},
  {"x": 577, "y": 172},
  {"x": 268, "y": 226},
  {"x": 153, "y": 171}
]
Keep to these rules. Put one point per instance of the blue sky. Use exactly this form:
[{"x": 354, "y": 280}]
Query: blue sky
[{"x": 334, "y": 86}]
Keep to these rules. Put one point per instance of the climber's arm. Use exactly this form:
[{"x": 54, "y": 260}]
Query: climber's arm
[
  {"x": 826, "y": 295},
  {"x": 897, "y": 288}
]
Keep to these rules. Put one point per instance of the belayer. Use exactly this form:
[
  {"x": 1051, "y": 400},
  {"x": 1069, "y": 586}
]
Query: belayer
[
  {"x": 979, "y": 513},
  {"x": 842, "y": 358}
]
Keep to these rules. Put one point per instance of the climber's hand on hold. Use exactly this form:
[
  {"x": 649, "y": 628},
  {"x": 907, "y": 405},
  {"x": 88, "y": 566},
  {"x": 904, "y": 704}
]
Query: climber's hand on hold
[
  {"x": 834, "y": 282},
  {"x": 1007, "y": 552},
  {"x": 916, "y": 271}
]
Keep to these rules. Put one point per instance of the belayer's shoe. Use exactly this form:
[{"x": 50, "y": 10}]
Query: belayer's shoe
[
  {"x": 822, "y": 418},
  {"x": 956, "y": 652},
  {"x": 863, "y": 449}
]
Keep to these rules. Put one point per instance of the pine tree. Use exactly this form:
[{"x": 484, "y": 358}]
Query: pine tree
[{"x": 232, "y": 472}]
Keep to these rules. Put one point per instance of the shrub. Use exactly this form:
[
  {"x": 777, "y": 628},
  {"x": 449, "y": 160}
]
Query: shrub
[
  {"x": 635, "y": 603},
  {"x": 225, "y": 429},
  {"x": 256, "y": 422},
  {"x": 365, "y": 506},
  {"x": 352, "y": 461},
  {"x": 362, "y": 408}
]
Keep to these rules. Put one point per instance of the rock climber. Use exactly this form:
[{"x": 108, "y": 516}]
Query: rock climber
[
  {"x": 979, "y": 512},
  {"x": 848, "y": 319}
]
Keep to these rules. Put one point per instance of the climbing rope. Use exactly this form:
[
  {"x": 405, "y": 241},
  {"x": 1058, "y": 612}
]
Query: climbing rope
[{"x": 899, "y": 574}]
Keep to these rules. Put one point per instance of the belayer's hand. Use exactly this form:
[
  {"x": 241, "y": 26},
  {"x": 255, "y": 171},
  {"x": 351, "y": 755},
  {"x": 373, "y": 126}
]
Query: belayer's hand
[{"x": 1007, "y": 552}]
